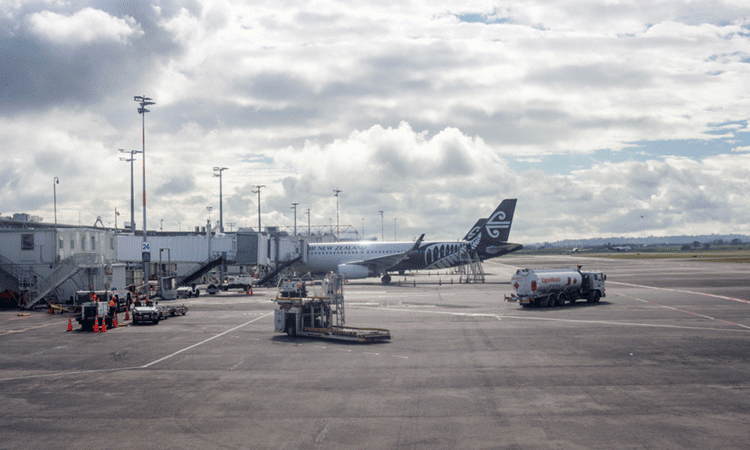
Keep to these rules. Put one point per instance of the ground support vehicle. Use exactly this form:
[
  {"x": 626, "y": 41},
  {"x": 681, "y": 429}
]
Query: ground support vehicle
[
  {"x": 240, "y": 282},
  {"x": 92, "y": 312},
  {"x": 320, "y": 315},
  {"x": 121, "y": 299},
  {"x": 174, "y": 310},
  {"x": 212, "y": 289},
  {"x": 556, "y": 287},
  {"x": 188, "y": 291},
  {"x": 147, "y": 312},
  {"x": 154, "y": 312}
]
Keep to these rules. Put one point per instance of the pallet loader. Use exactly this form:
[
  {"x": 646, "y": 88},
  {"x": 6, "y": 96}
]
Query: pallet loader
[{"x": 320, "y": 315}]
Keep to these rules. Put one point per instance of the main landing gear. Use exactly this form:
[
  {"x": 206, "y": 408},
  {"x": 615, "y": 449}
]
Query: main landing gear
[{"x": 385, "y": 279}]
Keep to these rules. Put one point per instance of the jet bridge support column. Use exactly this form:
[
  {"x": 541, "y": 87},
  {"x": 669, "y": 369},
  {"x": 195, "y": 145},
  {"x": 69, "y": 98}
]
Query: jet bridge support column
[{"x": 303, "y": 250}]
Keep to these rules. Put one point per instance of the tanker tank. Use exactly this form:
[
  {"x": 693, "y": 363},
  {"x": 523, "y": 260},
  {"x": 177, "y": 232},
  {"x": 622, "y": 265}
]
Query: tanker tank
[{"x": 550, "y": 287}]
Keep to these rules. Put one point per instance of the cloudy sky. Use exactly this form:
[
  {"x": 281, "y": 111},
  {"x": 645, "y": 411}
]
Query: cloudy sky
[{"x": 604, "y": 118}]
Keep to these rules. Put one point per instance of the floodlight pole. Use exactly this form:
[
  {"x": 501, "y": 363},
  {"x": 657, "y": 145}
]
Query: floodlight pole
[
  {"x": 308, "y": 221},
  {"x": 55, "y": 182},
  {"x": 382, "y": 237},
  {"x": 132, "y": 196},
  {"x": 294, "y": 207},
  {"x": 221, "y": 201},
  {"x": 336, "y": 193},
  {"x": 144, "y": 101},
  {"x": 258, "y": 186}
]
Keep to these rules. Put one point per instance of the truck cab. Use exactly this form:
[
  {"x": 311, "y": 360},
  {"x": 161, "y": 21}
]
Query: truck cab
[{"x": 593, "y": 285}]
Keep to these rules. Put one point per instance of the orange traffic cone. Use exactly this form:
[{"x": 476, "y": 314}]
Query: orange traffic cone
[
  {"x": 96, "y": 325},
  {"x": 440, "y": 281},
  {"x": 127, "y": 314},
  {"x": 251, "y": 290},
  {"x": 104, "y": 325},
  {"x": 70, "y": 325},
  {"x": 114, "y": 321},
  {"x": 415, "y": 283}
]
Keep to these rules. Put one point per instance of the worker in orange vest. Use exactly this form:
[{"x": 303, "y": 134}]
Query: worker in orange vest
[{"x": 112, "y": 307}]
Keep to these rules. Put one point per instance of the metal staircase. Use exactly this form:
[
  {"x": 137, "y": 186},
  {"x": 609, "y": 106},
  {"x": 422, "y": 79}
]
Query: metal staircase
[
  {"x": 472, "y": 267},
  {"x": 270, "y": 277},
  {"x": 66, "y": 270},
  {"x": 201, "y": 270},
  {"x": 25, "y": 276}
]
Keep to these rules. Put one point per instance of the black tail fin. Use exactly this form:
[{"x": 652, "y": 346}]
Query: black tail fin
[
  {"x": 497, "y": 227},
  {"x": 475, "y": 230}
]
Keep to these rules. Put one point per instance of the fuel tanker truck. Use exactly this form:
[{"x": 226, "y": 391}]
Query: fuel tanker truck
[{"x": 556, "y": 287}]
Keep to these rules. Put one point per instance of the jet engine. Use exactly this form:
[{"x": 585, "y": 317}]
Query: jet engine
[{"x": 353, "y": 271}]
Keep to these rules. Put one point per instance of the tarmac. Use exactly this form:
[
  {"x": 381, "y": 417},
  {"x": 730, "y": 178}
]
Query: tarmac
[{"x": 662, "y": 362}]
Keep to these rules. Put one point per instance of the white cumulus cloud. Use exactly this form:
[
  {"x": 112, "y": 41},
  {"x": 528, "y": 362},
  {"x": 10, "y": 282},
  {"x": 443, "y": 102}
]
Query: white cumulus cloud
[{"x": 86, "y": 26}]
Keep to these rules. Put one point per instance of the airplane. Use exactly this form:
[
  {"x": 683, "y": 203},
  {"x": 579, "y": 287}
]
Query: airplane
[
  {"x": 619, "y": 249},
  {"x": 488, "y": 238}
]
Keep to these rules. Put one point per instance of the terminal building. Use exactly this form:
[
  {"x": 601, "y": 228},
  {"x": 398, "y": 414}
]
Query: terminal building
[{"x": 46, "y": 262}]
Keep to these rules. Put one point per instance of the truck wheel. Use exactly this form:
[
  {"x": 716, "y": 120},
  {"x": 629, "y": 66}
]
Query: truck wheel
[
  {"x": 551, "y": 300},
  {"x": 593, "y": 297},
  {"x": 562, "y": 299}
]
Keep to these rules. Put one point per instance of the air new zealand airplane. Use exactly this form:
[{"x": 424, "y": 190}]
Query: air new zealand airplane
[{"x": 488, "y": 238}]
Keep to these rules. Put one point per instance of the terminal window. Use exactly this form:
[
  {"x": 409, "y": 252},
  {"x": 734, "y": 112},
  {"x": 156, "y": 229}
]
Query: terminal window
[{"x": 27, "y": 242}]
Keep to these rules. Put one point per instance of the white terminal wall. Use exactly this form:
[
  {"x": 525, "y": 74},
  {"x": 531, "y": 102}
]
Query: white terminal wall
[{"x": 190, "y": 249}]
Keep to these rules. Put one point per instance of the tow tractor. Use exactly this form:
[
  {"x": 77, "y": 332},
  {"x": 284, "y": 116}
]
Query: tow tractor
[{"x": 321, "y": 314}]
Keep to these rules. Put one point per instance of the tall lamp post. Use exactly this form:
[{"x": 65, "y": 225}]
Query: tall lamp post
[
  {"x": 382, "y": 236},
  {"x": 55, "y": 182},
  {"x": 221, "y": 202},
  {"x": 336, "y": 193},
  {"x": 308, "y": 221},
  {"x": 132, "y": 196},
  {"x": 144, "y": 101},
  {"x": 294, "y": 207},
  {"x": 258, "y": 186}
]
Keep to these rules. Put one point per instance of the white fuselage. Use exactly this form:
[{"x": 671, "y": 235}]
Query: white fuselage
[{"x": 327, "y": 257}]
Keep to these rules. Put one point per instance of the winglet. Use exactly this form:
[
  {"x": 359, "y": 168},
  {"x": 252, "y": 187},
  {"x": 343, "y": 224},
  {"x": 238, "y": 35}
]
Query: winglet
[{"x": 417, "y": 244}]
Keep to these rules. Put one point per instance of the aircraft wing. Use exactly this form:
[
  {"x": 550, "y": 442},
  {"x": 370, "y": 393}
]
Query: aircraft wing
[
  {"x": 502, "y": 249},
  {"x": 382, "y": 263}
]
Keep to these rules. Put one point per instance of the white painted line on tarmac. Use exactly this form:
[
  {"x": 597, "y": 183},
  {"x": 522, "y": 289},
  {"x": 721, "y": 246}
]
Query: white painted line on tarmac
[
  {"x": 624, "y": 324},
  {"x": 682, "y": 291},
  {"x": 22, "y": 330},
  {"x": 204, "y": 341},
  {"x": 553, "y": 319},
  {"x": 417, "y": 309},
  {"x": 237, "y": 365},
  {"x": 684, "y": 311}
]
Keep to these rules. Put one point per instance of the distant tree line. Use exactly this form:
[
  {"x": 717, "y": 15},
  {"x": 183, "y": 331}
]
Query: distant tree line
[{"x": 707, "y": 245}]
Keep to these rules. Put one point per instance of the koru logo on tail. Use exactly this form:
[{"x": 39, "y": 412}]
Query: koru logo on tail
[{"x": 496, "y": 223}]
